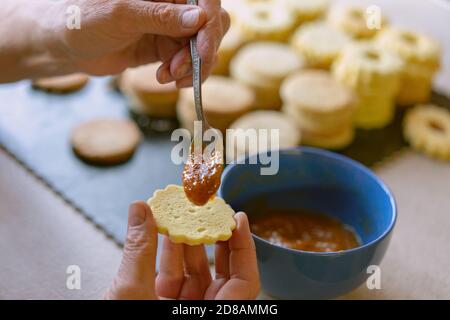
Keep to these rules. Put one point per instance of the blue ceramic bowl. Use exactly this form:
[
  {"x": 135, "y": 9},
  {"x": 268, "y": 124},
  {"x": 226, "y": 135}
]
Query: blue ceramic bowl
[{"x": 326, "y": 182}]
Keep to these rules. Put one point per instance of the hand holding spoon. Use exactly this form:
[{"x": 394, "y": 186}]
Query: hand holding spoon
[{"x": 202, "y": 172}]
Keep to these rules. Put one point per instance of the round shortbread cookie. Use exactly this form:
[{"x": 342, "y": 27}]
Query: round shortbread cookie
[
  {"x": 240, "y": 72},
  {"x": 184, "y": 222},
  {"x": 62, "y": 84},
  {"x": 146, "y": 95},
  {"x": 266, "y": 94},
  {"x": 288, "y": 133},
  {"x": 186, "y": 116},
  {"x": 427, "y": 129},
  {"x": 355, "y": 21},
  {"x": 269, "y": 60},
  {"x": 319, "y": 124},
  {"x": 319, "y": 43},
  {"x": 265, "y": 20},
  {"x": 369, "y": 69},
  {"x": 105, "y": 141},
  {"x": 333, "y": 141},
  {"x": 224, "y": 100},
  {"x": 316, "y": 92},
  {"x": 307, "y": 10},
  {"x": 414, "y": 48},
  {"x": 222, "y": 95},
  {"x": 262, "y": 66}
]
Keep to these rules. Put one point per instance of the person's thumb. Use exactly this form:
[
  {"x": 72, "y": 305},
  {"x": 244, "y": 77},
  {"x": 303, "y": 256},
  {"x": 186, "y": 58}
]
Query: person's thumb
[
  {"x": 136, "y": 276},
  {"x": 174, "y": 20}
]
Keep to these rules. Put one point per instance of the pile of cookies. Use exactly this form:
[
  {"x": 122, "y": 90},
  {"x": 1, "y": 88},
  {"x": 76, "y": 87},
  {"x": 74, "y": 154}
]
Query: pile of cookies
[
  {"x": 314, "y": 72},
  {"x": 321, "y": 107},
  {"x": 378, "y": 66}
]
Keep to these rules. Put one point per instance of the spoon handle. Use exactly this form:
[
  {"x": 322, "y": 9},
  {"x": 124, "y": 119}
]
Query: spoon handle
[{"x": 196, "y": 74}]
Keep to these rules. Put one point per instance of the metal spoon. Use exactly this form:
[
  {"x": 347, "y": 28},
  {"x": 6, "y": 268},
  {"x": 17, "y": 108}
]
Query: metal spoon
[
  {"x": 201, "y": 176},
  {"x": 197, "y": 85},
  {"x": 197, "y": 77}
]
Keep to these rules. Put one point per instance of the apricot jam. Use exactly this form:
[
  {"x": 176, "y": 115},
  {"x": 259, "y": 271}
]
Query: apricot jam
[
  {"x": 304, "y": 230},
  {"x": 202, "y": 176}
]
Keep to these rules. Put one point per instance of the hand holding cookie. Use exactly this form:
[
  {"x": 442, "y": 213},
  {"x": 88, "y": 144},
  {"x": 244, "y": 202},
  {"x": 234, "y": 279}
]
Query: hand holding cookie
[{"x": 184, "y": 271}]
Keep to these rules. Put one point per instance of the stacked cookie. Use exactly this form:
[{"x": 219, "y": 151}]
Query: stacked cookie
[
  {"x": 319, "y": 43},
  {"x": 358, "y": 22},
  {"x": 273, "y": 130},
  {"x": 224, "y": 100},
  {"x": 322, "y": 108},
  {"x": 374, "y": 74},
  {"x": 262, "y": 66},
  {"x": 421, "y": 56},
  {"x": 146, "y": 95},
  {"x": 267, "y": 20}
]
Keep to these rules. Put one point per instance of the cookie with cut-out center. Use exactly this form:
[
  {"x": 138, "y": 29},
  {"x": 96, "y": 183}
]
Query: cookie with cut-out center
[
  {"x": 421, "y": 55},
  {"x": 374, "y": 74},
  {"x": 355, "y": 21},
  {"x": 184, "y": 222},
  {"x": 319, "y": 43},
  {"x": 265, "y": 20},
  {"x": 368, "y": 68},
  {"x": 427, "y": 129}
]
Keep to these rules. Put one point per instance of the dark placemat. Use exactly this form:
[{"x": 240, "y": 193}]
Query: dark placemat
[{"x": 35, "y": 127}]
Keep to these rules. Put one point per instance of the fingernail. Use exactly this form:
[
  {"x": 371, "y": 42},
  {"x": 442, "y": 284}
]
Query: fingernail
[
  {"x": 165, "y": 76},
  {"x": 183, "y": 70},
  {"x": 136, "y": 216},
  {"x": 190, "y": 18}
]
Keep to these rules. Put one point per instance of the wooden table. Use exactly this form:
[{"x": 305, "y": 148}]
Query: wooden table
[{"x": 40, "y": 235}]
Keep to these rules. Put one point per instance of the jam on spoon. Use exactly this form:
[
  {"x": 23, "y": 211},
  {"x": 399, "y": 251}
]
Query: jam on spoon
[{"x": 202, "y": 176}]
